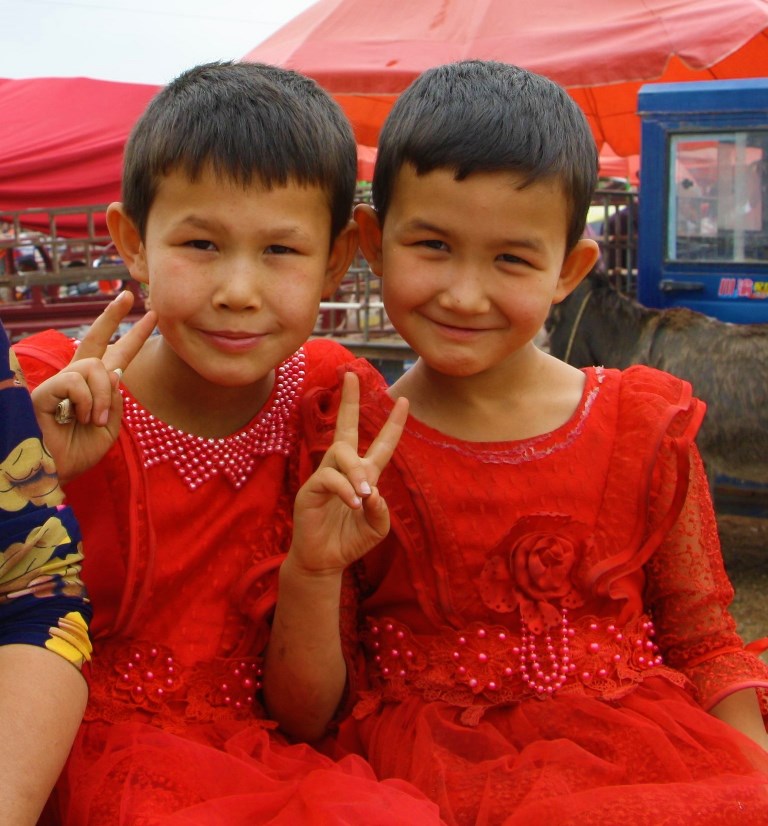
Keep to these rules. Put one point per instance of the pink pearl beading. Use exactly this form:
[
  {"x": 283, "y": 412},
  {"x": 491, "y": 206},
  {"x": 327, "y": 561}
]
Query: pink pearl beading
[
  {"x": 150, "y": 678},
  {"x": 197, "y": 459},
  {"x": 493, "y": 661},
  {"x": 238, "y": 689},
  {"x": 393, "y": 650},
  {"x": 548, "y": 677}
]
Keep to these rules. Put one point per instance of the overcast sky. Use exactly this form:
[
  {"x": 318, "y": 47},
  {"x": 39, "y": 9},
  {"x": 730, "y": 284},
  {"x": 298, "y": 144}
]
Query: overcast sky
[{"x": 138, "y": 41}]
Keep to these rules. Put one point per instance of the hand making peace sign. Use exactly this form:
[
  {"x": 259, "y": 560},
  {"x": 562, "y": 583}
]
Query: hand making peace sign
[
  {"x": 87, "y": 389},
  {"x": 339, "y": 514}
]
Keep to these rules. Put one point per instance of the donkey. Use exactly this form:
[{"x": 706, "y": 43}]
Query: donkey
[{"x": 727, "y": 365}]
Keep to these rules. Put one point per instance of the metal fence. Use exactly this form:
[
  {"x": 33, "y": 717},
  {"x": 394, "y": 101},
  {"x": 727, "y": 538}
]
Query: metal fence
[{"x": 613, "y": 222}]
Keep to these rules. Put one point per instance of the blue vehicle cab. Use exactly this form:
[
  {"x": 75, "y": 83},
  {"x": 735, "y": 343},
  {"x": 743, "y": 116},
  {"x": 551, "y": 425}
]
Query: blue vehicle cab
[{"x": 704, "y": 198}]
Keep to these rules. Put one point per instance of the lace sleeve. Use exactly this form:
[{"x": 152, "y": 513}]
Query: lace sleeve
[{"x": 689, "y": 593}]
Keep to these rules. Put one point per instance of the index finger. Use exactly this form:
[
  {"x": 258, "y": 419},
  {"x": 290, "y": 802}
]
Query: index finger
[
  {"x": 347, "y": 418},
  {"x": 122, "y": 352},
  {"x": 95, "y": 342},
  {"x": 383, "y": 446}
]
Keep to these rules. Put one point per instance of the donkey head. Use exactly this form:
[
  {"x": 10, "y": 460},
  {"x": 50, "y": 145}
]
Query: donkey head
[{"x": 567, "y": 337}]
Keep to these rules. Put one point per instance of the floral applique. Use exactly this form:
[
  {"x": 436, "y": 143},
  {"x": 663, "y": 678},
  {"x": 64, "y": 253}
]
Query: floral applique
[
  {"x": 532, "y": 569},
  {"x": 147, "y": 676}
]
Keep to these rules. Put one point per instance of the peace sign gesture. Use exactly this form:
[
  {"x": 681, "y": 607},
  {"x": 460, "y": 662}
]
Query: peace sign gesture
[
  {"x": 339, "y": 514},
  {"x": 80, "y": 408}
]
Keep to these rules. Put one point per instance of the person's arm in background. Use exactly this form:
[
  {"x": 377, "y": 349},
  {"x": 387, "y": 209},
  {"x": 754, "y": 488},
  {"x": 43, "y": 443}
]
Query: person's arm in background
[
  {"x": 44, "y": 610},
  {"x": 42, "y": 700}
]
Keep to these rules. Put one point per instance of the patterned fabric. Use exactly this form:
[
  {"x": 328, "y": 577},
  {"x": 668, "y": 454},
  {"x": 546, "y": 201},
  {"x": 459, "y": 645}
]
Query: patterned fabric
[
  {"x": 538, "y": 638},
  {"x": 42, "y": 599},
  {"x": 182, "y": 570}
]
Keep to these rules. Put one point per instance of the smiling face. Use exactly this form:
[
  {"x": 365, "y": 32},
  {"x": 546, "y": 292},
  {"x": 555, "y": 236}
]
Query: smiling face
[
  {"x": 470, "y": 268},
  {"x": 235, "y": 273}
]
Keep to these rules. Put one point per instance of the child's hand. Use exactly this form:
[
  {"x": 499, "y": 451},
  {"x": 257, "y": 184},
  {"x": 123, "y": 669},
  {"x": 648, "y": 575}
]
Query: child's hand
[
  {"x": 338, "y": 514},
  {"x": 90, "y": 383}
]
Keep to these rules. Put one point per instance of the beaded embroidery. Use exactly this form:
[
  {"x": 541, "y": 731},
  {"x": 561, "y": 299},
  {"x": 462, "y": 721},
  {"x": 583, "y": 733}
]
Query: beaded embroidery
[
  {"x": 197, "y": 459},
  {"x": 140, "y": 676},
  {"x": 494, "y": 664}
]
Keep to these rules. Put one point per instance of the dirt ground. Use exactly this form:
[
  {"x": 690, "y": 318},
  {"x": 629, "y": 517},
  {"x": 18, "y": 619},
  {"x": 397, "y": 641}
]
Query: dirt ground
[{"x": 745, "y": 551}]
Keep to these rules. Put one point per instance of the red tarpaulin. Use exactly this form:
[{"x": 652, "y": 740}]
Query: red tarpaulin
[
  {"x": 366, "y": 51},
  {"x": 61, "y": 141},
  {"x": 61, "y": 144}
]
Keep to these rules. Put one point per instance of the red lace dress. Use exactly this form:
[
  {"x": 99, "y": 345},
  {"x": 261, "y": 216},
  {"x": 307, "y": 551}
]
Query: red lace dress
[
  {"x": 537, "y": 639},
  {"x": 183, "y": 537}
]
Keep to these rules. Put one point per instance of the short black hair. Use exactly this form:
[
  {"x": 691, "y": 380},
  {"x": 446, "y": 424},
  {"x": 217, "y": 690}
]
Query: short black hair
[
  {"x": 486, "y": 116},
  {"x": 246, "y": 121}
]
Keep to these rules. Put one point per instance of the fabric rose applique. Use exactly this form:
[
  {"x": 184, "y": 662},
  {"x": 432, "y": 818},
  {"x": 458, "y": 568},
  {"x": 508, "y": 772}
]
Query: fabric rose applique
[{"x": 532, "y": 569}]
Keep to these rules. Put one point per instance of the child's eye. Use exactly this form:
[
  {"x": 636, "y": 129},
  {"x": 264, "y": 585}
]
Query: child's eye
[
  {"x": 433, "y": 244},
  {"x": 508, "y": 258},
  {"x": 280, "y": 249},
  {"x": 200, "y": 244}
]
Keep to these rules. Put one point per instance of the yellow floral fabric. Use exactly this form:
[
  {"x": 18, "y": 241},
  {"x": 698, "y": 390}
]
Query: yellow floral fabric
[{"x": 43, "y": 601}]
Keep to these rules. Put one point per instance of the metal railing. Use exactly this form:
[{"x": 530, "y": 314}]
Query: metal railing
[{"x": 613, "y": 223}]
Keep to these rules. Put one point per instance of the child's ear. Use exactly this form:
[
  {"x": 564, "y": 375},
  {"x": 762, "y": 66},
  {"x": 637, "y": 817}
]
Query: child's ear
[
  {"x": 128, "y": 242},
  {"x": 576, "y": 266},
  {"x": 342, "y": 254},
  {"x": 370, "y": 236}
]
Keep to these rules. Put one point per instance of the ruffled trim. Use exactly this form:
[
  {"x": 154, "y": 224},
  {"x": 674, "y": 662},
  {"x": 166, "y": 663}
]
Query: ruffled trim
[{"x": 654, "y": 408}]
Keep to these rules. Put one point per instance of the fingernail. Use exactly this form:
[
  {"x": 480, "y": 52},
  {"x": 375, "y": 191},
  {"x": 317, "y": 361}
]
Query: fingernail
[
  {"x": 103, "y": 418},
  {"x": 356, "y": 501},
  {"x": 365, "y": 489}
]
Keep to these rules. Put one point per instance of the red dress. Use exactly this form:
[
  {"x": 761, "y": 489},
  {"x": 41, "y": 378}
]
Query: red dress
[
  {"x": 538, "y": 637},
  {"x": 183, "y": 537}
]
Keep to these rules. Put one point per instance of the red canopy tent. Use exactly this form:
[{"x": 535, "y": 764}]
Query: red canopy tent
[
  {"x": 61, "y": 141},
  {"x": 365, "y": 52},
  {"x": 61, "y": 144}
]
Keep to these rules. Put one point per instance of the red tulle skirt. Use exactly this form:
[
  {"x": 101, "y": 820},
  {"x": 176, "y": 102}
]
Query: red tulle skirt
[
  {"x": 132, "y": 774},
  {"x": 652, "y": 758}
]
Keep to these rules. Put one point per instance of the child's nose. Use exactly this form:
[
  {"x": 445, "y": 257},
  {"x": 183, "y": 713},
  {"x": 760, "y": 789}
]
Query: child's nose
[
  {"x": 239, "y": 286},
  {"x": 465, "y": 291}
]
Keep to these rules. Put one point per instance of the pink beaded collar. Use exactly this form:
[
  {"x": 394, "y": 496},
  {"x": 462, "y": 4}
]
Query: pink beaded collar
[{"x": 198, "y": 459}]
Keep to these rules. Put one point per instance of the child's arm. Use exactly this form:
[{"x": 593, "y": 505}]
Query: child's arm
[
  {"x": 338, "y": 517},
  {"x": 42, "y": 700},
  {"x": 742, "y": 710},
  {"x": 690, "y": 594},
  {"x": 90, "y": 383}
]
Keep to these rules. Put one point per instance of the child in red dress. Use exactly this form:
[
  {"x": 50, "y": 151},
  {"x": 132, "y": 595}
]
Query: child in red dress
[
  {"x": 237, "y": 196},
  {"x": 544, "y": 635}
]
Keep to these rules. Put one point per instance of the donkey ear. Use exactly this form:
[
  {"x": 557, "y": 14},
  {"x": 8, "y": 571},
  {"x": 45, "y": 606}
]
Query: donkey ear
[{"x": 577, "y": 265}]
